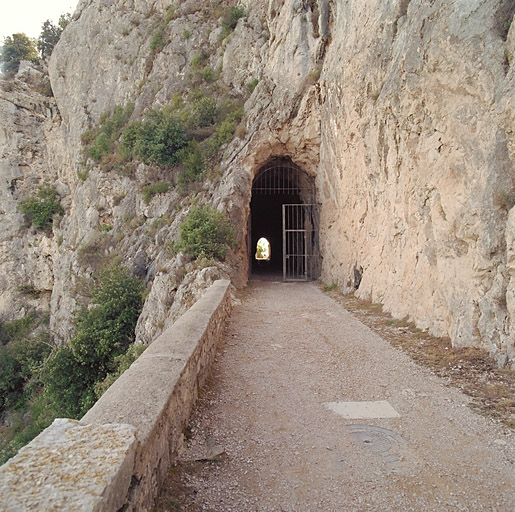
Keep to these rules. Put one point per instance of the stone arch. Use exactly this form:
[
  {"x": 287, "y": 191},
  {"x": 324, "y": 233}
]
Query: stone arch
[{"x": 279, "y": 187}]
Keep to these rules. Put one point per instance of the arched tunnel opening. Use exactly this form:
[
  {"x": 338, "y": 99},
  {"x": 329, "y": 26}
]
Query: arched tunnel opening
[{"x": 283, "y": 211}]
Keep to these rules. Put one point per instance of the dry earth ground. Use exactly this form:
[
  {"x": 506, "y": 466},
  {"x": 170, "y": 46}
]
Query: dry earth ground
[{"x": 263, "y": 439}]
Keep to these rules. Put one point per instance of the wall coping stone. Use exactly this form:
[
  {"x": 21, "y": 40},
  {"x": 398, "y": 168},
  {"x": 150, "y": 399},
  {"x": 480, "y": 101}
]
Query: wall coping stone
[{"x": 70, "y": 467}]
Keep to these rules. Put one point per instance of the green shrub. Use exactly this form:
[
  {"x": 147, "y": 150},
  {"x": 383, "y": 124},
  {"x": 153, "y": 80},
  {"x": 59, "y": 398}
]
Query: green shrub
[
  {"x": 206, "y": 232},
  {"x": 25, "y": 346},
  {"x": 42, "y": 208},
  {"x": 158, "y": 40},
  {"x": 149, "y": 191},
  {"x": 30, "y": 353},
  {"x": 225, "y": 131},
  {"x": 11, "y": 381},
  {"x": 171, "y": 136},
  {"x": 208, "y": 74},
  {"x": 203, "y": 262},
  {"x": 193, "y": 164},
  {"x": 204, "y": 111},
  {"x": 18, "y": 329},
  {"x": 100, "y": 141},
  {"x": 230, "y": 19},
  {"x": 21, "y": 356},
  {"x": 155, "y": 140},
  {"x": 252, "y": 85},
  {"x": 104, "y": 332},
  {"x": 198, "y": 61},
  {"x": 230, "y": 115},
  {"x": 107, "y": 329},
  {"x": 27, "y": 424},
  {"x": 68, "y": 384}
]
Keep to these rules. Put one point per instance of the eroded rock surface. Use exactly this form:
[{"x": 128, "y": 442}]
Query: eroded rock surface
[{"x": 402, "y": 111}]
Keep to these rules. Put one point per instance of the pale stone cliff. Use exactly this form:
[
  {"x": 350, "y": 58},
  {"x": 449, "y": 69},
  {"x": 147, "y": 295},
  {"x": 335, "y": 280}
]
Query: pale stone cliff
[{"x": 403, "y": 112}]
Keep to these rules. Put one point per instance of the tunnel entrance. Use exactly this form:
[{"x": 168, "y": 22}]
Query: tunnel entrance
[{"x": 283, "y": 211}]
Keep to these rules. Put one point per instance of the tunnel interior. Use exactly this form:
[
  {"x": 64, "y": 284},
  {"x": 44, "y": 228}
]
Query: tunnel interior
[{"x": 277, "y": 183}]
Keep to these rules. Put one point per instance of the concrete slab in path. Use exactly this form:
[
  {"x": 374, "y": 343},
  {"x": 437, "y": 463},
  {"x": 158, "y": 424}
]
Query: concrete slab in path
[{"x": 363, "y": 410}]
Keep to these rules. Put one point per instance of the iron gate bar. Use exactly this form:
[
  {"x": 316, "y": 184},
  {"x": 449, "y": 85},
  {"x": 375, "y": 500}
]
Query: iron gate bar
[
  {"x": 280, "y": 179},
  {"x": 298, "y": 239}
]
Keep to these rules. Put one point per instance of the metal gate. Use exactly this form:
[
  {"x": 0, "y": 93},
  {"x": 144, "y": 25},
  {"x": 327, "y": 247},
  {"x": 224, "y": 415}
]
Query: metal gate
[{"x": 300, "y": 244}]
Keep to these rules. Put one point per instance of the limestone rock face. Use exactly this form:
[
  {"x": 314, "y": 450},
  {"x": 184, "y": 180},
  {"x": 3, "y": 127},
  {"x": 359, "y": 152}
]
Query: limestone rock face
[
  {"x": 402, "y": 111},
  {"x": 28, "y": 143},
  {"x": 416, "y": 172}
]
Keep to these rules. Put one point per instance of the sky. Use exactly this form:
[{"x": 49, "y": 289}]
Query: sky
[{"x": 28, "y": 15}]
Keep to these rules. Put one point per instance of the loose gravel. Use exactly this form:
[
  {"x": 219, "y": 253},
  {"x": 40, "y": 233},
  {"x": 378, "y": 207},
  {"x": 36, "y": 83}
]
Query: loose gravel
[{"x": 262, "y": 439}]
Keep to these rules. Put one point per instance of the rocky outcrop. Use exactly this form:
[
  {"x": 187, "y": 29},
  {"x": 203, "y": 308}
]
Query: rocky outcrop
[
  {"x": 29, "y": 138},
  {"x": 402, "y": 111}
]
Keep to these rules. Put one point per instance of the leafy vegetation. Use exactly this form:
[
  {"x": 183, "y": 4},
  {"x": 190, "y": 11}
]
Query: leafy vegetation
[
  {"x": 186, "y": 135},
  {"x": 103, "y": 333},
  {"x": 193, "y": 164},
  {"x": 149, "y": 191},
  {"x": 24, "y": 346},
  {"x": 42, "y": 208},
  {"x": 206, "y": 233},
  {"x": 50, "y": 35},
  {"x": 252, "y": 85},
  {"x": 39, "y": 382},
  {"x": 157, "y": 139},
  {"x": 16, "y": 48},
  {"x": 158, "y": 40},
  {"x": 230, "y": 19},
  {"x": 101, "y": 141}
]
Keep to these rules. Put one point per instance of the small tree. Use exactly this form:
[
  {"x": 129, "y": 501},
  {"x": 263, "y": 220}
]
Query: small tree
[
  {"x": 16, "y": 48},
  {"x": 104, "y": 333},
  {"x": 156, "y": 140},
  {"x": 106, "y": 330},
  {"x": 50, "y": 35}
]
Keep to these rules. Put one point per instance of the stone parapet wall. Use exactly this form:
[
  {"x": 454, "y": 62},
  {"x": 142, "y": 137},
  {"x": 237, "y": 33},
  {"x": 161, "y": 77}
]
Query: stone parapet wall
[{"x": 118, "y": 453}]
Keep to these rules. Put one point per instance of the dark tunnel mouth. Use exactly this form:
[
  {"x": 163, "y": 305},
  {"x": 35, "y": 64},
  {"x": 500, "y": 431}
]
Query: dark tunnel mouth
[{"x": 277, "y": 183}]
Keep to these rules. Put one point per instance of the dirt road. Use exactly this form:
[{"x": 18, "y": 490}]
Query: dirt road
[{"x": 297, "y": 404}]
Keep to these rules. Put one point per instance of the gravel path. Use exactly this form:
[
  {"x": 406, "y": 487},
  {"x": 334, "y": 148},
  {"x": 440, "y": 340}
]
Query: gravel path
[{"x": 288, "y": 351}]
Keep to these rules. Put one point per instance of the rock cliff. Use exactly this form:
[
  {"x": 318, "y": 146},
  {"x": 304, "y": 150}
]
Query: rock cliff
[{"x": 402, "y": 111}]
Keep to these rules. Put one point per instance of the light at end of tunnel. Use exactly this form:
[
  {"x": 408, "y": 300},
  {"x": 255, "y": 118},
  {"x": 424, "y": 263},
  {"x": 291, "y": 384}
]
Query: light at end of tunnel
[{"x": 263, "y": 250}]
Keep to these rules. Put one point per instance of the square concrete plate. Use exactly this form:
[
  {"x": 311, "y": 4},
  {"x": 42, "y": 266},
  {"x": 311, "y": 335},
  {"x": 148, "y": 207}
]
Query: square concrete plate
[{"x": 363, "y": 410}]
